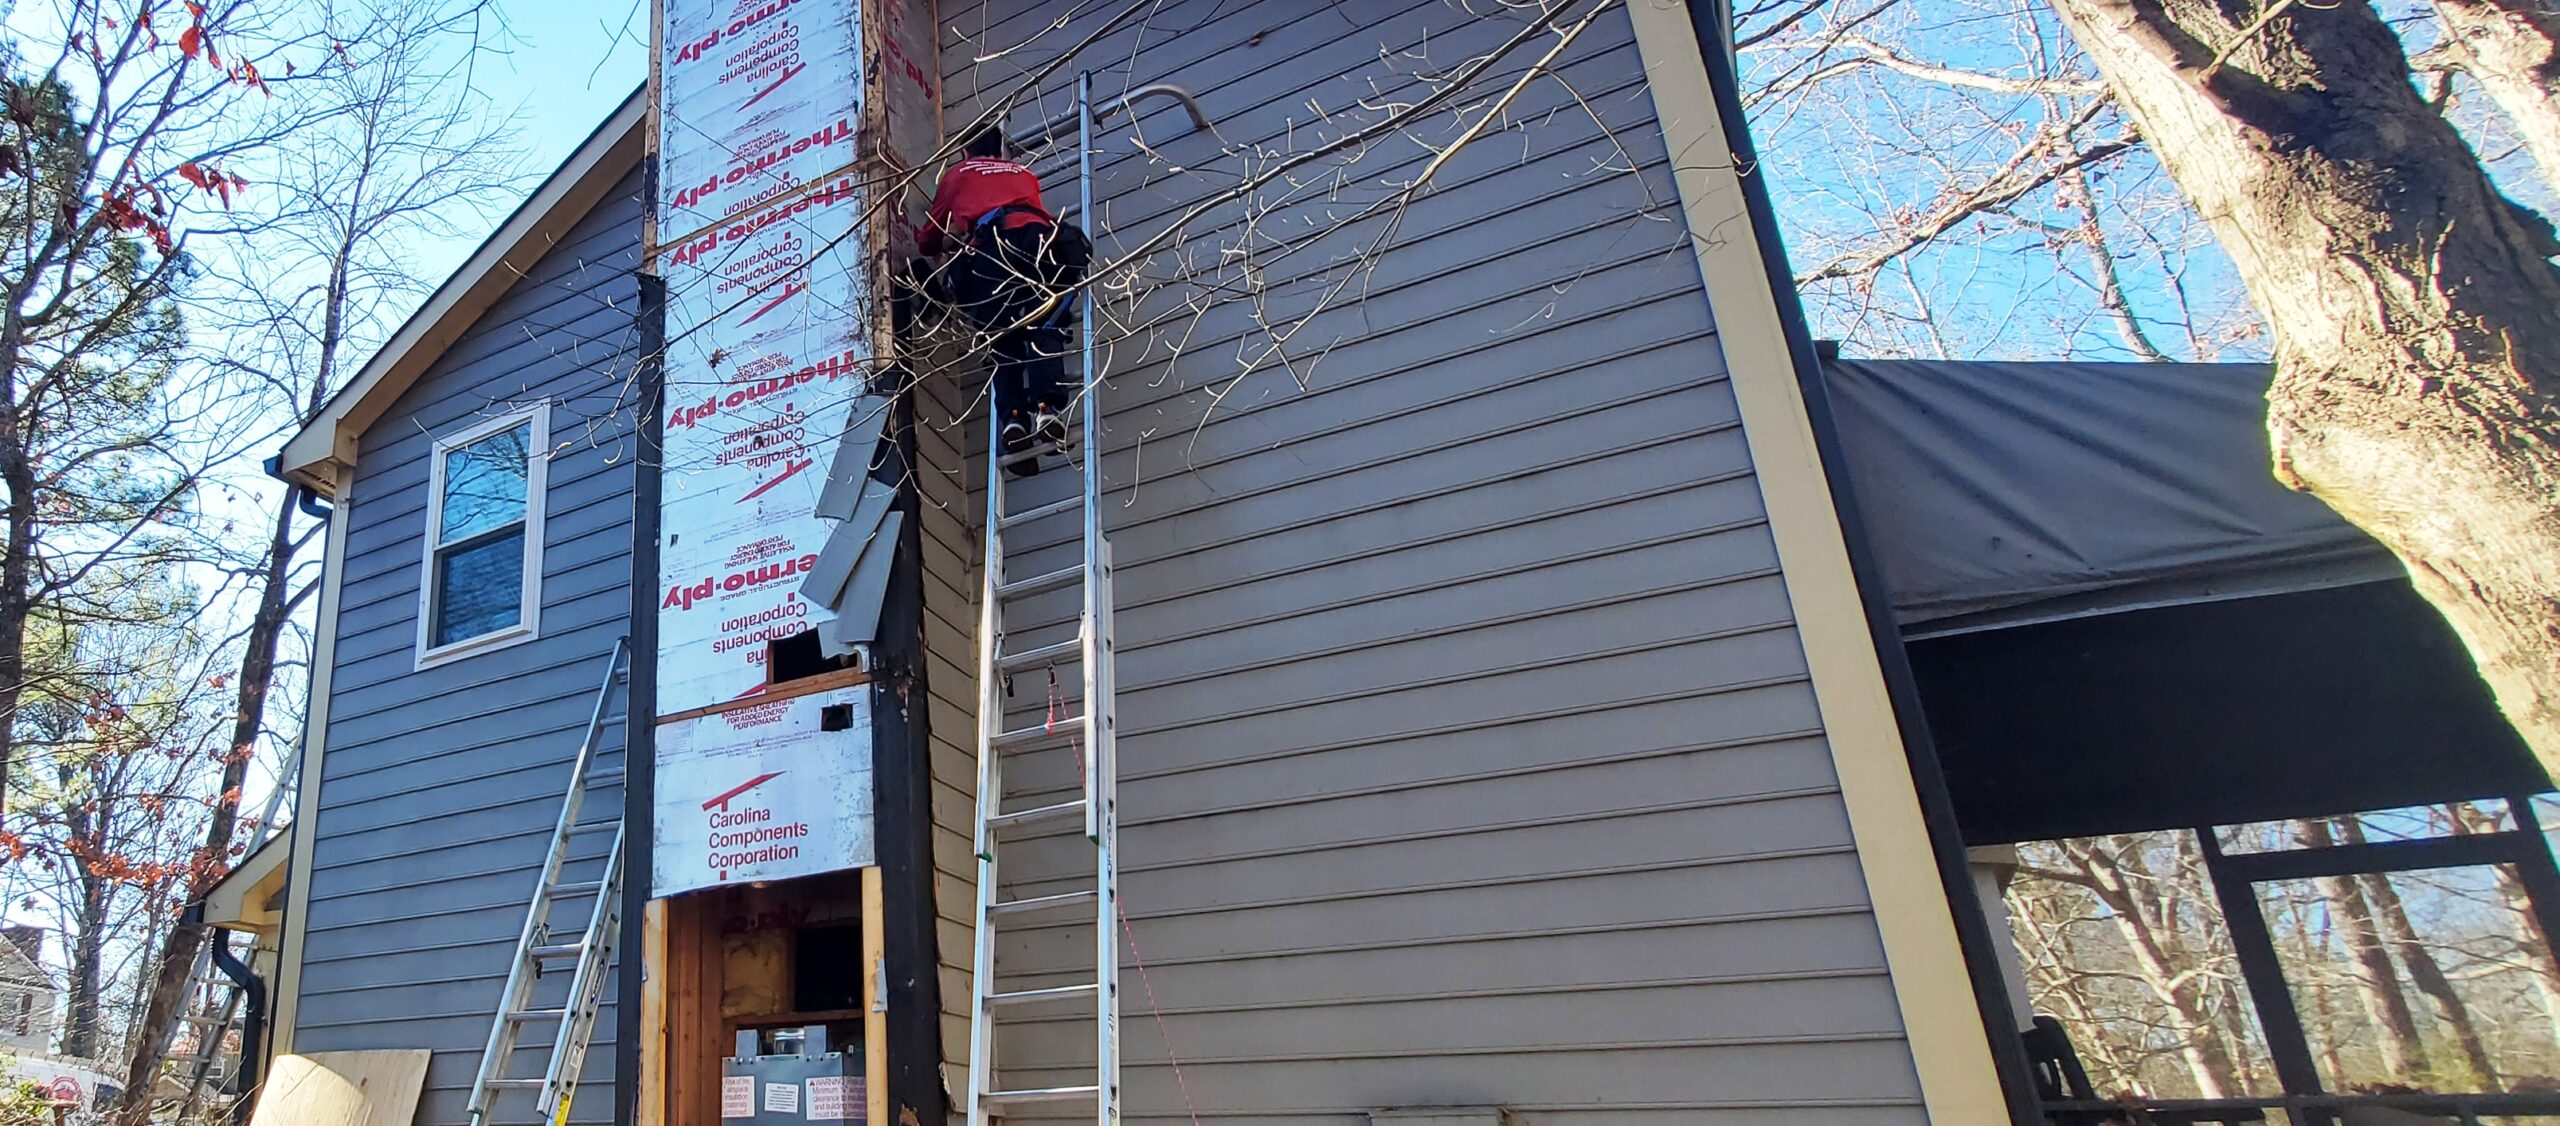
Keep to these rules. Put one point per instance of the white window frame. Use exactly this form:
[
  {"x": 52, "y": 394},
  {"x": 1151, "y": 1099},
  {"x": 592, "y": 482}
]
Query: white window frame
[{"x": 537, "y": 481}]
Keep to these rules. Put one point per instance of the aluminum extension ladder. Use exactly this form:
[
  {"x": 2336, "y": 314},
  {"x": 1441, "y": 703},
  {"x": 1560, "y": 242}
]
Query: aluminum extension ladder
[
  {"x": 211, "y": 1007},
  {"x": 1089, "y": 733},
  {"x": 589, "y": 951},
  {"x": 211, "y": 1003}
]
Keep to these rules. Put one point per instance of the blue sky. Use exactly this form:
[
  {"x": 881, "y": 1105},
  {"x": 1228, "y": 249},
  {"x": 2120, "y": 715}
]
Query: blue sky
[{"x": 564, "y": 66}]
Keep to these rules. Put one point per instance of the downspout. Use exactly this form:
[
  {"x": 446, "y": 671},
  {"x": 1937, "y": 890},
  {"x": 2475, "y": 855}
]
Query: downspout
[{"x": 253, "y": 994}]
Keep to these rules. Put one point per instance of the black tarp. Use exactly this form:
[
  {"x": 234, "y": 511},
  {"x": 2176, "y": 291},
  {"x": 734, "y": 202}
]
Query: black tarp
[
  {"x": 2005, "y": 493},
  {"x": 2119, "y": 620}
]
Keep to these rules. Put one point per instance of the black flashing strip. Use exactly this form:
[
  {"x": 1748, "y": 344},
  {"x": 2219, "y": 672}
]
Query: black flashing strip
[
  {"x": 639, "y": 723},
  {"x": 902, "y": 798},
  {"x": 1711, "y": 21}
]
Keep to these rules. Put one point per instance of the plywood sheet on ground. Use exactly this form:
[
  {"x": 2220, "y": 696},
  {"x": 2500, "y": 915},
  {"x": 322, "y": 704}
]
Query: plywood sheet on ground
[{"x": 378, "y": 1088}]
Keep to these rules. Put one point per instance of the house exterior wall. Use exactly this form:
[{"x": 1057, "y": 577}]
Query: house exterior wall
[
  {"x": 1469, "y": 749},
  {"x": 439, "y": 787},
  {"x": 1471, "y": 752},
  {"x": 27, "y": 1018}
]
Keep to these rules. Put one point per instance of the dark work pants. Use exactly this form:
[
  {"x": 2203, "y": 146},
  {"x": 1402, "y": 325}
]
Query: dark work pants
[{"x": 1004, "y": 277}]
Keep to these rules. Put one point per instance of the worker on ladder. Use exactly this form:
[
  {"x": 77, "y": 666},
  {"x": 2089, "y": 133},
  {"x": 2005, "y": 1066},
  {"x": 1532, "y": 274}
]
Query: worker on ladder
[{"x": 1012, "y": 271}]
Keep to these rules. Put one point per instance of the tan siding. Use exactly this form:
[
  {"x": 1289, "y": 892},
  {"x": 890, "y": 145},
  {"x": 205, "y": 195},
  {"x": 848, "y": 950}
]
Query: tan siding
[
  {"x": 951, "y": 557},
  {"x": 1468, "y": 754}
]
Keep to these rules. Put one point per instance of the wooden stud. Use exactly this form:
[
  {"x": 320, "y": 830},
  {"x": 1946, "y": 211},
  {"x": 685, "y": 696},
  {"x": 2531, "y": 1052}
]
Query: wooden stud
[
  {"x": 875, "y": 1017},
  {"x": 788, "y": 690},
  {"x": 649, "y": 1099}
]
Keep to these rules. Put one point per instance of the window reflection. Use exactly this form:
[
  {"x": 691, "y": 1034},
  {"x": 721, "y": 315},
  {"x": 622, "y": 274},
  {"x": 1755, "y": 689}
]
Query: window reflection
[{"x": 484, "y": 483}]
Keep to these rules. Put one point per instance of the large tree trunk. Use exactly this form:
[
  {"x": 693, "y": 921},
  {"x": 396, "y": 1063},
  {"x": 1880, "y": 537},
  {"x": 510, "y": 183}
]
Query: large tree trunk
[
  {"x": 2416, "y": 323},
  {"x": 83, "y": 1006},
  {"x": 177, "y": 960},
  {"x": 2377, "y": 980},
  {"x": 17, "y": 574},
  {"x": 2512, "y": 49}
]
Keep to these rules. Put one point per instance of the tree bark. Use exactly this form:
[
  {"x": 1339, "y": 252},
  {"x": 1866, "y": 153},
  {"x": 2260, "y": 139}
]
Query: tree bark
[
  {"x": 17, "y": 569},
  {"x": 2377, "y": 980},
  {"x": 2512, "y": 49},
  {"x": 2428, "y": 975},
  {"x": 2533, "y": 947},
  {"x": 2416, "y": 321},
  {"x": 88, "y": 945},
  {"x": 2424, "y": 971},
  {"x": 168, "y": 993}
]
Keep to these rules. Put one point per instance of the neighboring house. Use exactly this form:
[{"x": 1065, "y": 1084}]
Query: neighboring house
[
  {"x": 1504, "y": 720},
  {"x": 27, "y": 993}
]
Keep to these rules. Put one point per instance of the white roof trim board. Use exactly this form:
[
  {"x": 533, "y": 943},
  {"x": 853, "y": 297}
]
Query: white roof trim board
[{"x": 319, "y": 454}]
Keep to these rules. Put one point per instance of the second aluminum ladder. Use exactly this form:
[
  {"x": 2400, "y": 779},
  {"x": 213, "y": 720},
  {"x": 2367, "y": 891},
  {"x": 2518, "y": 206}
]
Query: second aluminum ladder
[{"x": 587, "y": 951}]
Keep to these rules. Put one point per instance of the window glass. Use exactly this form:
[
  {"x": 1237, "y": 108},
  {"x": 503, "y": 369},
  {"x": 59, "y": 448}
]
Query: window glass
[
  {"x": 484, "y": 483},
  {"x": 480, "y": 587},
  {"x": 476, "y": 562}
]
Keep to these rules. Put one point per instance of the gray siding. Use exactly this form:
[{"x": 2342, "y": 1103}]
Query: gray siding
[
  {"x": 1468, "y": 750},
  {"x": 439, "y": 787}
]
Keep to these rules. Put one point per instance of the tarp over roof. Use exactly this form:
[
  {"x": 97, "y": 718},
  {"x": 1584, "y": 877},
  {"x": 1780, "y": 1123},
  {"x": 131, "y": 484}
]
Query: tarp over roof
[
  {"x": 2120, "y": 621},
  {"x": 1999, "y": 494}
]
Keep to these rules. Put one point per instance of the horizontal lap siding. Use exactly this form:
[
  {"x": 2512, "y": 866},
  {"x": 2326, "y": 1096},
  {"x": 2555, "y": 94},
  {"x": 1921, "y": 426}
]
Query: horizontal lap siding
[
  {"x": 951, "y": 561},
  {"x": 1468, "y": 753},
  {"x": 439, "y": 787}
]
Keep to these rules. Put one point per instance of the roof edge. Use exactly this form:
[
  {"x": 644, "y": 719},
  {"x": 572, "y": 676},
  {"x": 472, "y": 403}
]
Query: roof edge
[{"x": 321, "y": 454}]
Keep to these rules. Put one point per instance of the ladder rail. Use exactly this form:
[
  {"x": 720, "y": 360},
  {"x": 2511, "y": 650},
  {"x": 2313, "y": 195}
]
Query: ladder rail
[
  {"x": 1091, "y": 647},
  {"x": 505, "y": 1028},
  {"x": 1101, "y": 818},
  {"x": 990, "y": 781},
  {"x": 203, "y": 977},
  {"x": 586, "y": 992}
]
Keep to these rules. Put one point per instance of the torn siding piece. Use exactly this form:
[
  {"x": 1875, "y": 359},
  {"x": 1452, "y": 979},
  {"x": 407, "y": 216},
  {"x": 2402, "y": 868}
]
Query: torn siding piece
[
  {"x": 851, "y": 578},
  {"x": 851, "y": 574}
]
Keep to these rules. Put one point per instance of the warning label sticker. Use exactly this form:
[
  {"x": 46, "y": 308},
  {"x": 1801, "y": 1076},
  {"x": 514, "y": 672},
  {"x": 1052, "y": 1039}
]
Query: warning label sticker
[{"x": 836, "y": 1098}]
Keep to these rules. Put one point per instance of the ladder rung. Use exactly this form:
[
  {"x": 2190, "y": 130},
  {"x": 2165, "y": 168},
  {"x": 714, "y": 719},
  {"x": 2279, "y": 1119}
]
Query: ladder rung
[
  {"x": 204, "y": 1018},
  {"x": 1062, "y": 577},
  {"x": 562, "y": 950},
  {"x": 1040, "y": 903},
  {"x": 1046, "y": 654},
  {"x": 1035, "y": 996},
  {"x": 598, "y": 823},
  {"x": 1040, "y": 813},
  {"x": 1042, "y": 512},
  {"x": 515, "y": 1084},
  {"x": 1039, "y": 1095},
  {"x": 576, "y": 888},
  {"x": 537, "y": 1014},
  {"x": 1027, "y": 736}
]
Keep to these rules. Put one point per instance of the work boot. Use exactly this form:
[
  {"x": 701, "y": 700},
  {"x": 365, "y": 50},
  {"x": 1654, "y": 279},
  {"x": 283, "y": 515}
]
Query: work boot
[{"x": 1014, "y": 439}]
